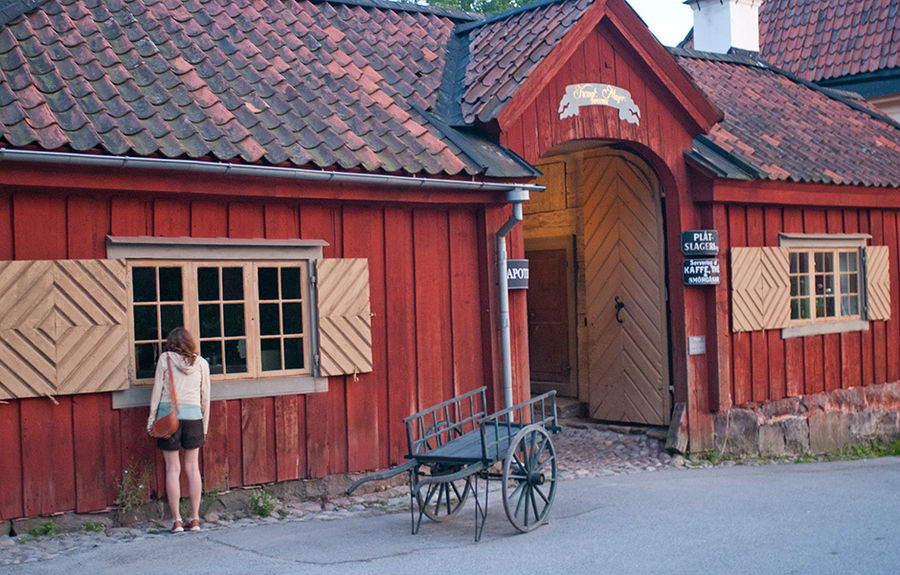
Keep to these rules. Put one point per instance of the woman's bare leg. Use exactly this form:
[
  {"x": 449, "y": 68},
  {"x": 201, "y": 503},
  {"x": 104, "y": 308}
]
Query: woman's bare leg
[
  {"x": 173, "y": 482},
  {"x": 195, "y": 482}
]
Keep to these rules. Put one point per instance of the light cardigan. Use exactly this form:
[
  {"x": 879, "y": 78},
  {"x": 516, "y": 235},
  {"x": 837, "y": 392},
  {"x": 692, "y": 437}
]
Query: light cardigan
[{"x": 191, "y": 385}]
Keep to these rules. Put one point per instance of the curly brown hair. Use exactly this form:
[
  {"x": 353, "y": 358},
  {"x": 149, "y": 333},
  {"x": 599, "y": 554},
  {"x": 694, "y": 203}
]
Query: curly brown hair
[{"x": 183, "y": 343}]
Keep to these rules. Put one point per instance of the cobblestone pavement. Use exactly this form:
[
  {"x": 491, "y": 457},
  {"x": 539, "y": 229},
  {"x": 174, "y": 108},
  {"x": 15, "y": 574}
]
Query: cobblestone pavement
[{"x": 584, "y": 449}]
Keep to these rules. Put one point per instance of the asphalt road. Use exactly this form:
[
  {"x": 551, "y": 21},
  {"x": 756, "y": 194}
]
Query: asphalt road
[{"x": 821, "y": 518}]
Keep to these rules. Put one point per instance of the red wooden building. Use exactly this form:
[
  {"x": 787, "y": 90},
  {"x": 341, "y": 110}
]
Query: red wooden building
[{"x": 316, "y": 189}]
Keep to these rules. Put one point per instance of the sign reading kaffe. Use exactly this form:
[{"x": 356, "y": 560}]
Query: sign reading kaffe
[
  {"x": 578, "y": 95},
  {"x": 703, "y": 272},
  {"x": 700, "y": 242},
  {"x": 517, "y": 274}
]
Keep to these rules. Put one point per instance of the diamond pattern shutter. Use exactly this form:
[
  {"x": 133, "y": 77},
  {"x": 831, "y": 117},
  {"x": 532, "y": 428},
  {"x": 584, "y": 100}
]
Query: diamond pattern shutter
[
  {"x": 760, "y": 289},
  {"x": 878, "y": 283},
  {"x": 63, "y": 327},
  {"x": 345, "y": 319}
]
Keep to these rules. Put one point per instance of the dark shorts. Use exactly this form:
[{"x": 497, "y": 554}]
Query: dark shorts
[{"x": 189, "y": 435}]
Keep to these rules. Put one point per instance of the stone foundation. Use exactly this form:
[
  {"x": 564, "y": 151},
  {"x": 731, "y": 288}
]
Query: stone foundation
[
  {"x": 817, "y": 424},
  {"x": 232, "y": 503}
]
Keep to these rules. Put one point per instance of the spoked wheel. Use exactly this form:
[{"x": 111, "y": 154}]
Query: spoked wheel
[
  {"x": 441, "y": 501},
  {"x": 529, "y": 478}
]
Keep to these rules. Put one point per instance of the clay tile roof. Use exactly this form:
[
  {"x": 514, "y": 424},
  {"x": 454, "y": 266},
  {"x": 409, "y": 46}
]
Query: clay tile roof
[
  {"x": 504, "y": 49},
  {"x": 822, "y": 39},
  {"x": 779, "y": 127},
  {"x": 339, "y": 84}
]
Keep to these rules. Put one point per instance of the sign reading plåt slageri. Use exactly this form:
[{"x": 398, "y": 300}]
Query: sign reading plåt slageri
[
  {"x": 700, "y": 242},
  {"x": 578, "y": 95},
  {"x": 703, "y": 272},
  {"x": 517, "y": 274}
]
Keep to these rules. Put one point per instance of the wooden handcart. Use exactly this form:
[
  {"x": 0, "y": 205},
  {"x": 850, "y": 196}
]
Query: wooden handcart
[{"x": 455, "y": 445}]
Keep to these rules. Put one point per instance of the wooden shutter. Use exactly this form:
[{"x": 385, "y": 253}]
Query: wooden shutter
[
  {"x": 878, "y": 283},
  {"x": 345, "y": 319},
  {"x": 760, "y": 289},
  {"x": 63, "y": 327}
]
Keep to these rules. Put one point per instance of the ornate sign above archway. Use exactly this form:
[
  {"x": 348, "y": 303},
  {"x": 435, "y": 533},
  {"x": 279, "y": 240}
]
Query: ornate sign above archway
[{"x": 578, "y": 95}]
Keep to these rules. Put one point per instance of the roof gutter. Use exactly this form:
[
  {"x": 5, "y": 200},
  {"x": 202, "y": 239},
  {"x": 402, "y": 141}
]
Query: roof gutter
[{"x": 223, "y": 169}]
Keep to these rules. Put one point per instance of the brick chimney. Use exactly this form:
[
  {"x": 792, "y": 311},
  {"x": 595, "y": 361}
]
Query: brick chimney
[{"x": 720, "y": 25}]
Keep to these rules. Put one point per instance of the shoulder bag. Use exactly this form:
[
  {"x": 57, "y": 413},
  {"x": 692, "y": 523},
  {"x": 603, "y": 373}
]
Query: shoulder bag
[{"x": 165, "y": 426}]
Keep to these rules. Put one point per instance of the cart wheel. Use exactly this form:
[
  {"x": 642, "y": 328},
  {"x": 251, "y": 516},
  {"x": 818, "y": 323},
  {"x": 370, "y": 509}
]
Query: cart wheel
[
  {"x": 441, "y": 501},
  {"x": 529, "y": 478}
]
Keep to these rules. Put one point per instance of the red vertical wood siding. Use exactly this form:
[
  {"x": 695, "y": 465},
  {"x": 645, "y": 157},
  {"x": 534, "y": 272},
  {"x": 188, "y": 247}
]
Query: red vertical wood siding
[
  {"x": 812, "y": 364},
  {"x": 400, "y": 338},
  {"x": 425, "y": 267},
  {"x": 434, "y": 348},
  {"x": 367, "y": 393},
  {"x": 11, "y": 468},
  {"x": 892, "y": 352},
  {"x": 468, "y": 371}
]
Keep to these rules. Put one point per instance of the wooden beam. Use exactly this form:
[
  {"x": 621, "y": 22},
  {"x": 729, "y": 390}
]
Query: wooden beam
[{"x": 799, "y": 194}]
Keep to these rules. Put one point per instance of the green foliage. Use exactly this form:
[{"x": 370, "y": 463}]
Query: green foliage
[
  {"x": 866, "y": 451},
  {"x": 93, "y": 526},
  {"x": 482, "y": 6},
  {"x": 261, "y": 503},
  {"x": 209, "y": 498},
  {"x": 48, "y": 529},
  {"x": 132, "y": 487}
]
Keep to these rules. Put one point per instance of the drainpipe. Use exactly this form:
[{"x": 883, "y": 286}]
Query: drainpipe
[{"x": 516, "y": 196}]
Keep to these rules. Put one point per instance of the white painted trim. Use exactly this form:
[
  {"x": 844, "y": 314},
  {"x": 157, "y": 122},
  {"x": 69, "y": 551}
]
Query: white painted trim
[
  {"x": 823, "y": 241},
  {"x": 145, "y": 247},
  {"x": 221, "y": 390},
  {"x": 824, "y": 328}
]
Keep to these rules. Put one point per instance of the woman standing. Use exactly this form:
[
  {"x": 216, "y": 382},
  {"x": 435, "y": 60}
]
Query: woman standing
[{"x": 190, "y": 374}]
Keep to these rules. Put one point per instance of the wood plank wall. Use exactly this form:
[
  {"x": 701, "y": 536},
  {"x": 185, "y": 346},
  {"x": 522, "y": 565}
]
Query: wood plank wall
[
  {"x": 766, "y": 367},
  {"x": 432, "y": 303},
  {"x": 661, "y": 138}
]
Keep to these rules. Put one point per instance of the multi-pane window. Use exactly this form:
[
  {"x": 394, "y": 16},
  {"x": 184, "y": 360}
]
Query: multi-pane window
[
  {"x": 825, "y": 284},
  {"x": 281, "y": 327},
  {"x": 222, "y": 314},
  {"x": 251, "y": 318},
  {"x": 158, "y": 307}
]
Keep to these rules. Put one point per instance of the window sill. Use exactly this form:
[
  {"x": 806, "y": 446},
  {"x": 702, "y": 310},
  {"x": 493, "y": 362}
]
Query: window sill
[
  {"x": 140, "y": 396},
  {"x": 824, "y": 328}
]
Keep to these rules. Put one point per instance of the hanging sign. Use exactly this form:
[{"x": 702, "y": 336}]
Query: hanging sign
[
  {"x": 517, "y": 274},
  {"x": 700, "y": 242},
  {"x": 578, "y": 95},
  {"x": 703, "y": 272}
]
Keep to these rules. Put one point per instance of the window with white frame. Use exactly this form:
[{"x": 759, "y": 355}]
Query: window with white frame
[
  {"x": 251, "y": 318},
  {"x": 254, "y": 306},
  {"x": 810, "y": 284},
  {"x": 824, "y": 284}
]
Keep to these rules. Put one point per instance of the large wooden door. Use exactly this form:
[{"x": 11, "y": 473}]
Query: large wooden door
[
  {"x": 549, "y": 321},
  {"x": 624, "y": 263}
]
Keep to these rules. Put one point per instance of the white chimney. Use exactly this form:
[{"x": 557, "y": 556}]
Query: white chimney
[{"x": 723, "y": 24}]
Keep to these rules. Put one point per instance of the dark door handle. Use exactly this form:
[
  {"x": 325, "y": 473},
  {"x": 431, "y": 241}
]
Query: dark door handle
[{"x": 620, "y": 305}]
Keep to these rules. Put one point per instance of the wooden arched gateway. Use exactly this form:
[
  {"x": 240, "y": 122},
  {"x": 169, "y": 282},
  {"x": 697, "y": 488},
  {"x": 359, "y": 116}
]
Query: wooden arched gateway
[{"x": 597, "y": 303}]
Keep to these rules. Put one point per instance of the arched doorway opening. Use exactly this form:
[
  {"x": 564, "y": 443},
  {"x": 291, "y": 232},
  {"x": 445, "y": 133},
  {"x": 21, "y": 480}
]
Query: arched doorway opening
[{"x": 597, "y": 311}]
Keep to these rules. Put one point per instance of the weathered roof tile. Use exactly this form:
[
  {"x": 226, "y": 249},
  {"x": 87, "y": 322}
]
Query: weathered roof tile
[
  {"x": 788, "y": 130},
  {"x": 822, "y": 39}
]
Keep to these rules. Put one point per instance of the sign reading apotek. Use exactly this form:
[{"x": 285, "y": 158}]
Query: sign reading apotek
[
  {"x": 517, "y": 274},
  {"x": 700, "y": 242},
  {"x": 703, "y": 272}
]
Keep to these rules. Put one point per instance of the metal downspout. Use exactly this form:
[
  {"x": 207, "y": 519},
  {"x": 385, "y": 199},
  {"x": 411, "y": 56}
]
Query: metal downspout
[{"x": 517, "y": 196}]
